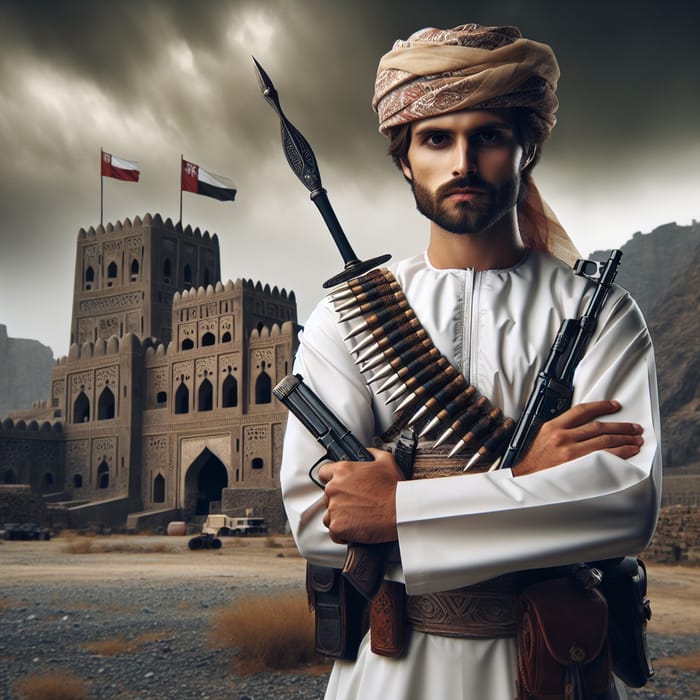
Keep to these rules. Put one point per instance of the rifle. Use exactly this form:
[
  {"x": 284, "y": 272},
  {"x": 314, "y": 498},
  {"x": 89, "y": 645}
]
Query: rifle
[
  {"x": 554, "y": 387},
  {"x": 365, "y": 563}
]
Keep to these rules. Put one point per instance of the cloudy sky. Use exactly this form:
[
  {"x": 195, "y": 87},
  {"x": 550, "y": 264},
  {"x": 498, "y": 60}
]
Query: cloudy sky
[{"x": 148, "y": 80}]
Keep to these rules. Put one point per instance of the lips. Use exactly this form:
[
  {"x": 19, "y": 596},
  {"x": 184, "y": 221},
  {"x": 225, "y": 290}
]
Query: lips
[{"x": 464, "y": 194}]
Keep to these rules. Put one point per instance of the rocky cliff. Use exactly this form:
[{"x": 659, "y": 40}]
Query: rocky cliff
[
  {"x": 25, "y": 372},
  {"x": 662, "y": 272}
]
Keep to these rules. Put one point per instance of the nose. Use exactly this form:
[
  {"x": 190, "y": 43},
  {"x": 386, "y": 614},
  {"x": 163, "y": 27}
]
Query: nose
[{"x": 464, "y": 159}]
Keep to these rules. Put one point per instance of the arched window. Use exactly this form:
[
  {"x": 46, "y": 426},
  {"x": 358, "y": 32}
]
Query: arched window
[
  {"x": 162, "y": 398},
  {"x": 103, "y": 475},
  {"x": 182, "y": 399},
  {"x": 77, "y": 481},
  {"x": 208, "y": 339},
  {"x": 205, "y": 398},
  {"x": 105, "y": 405},
  {"x": 9, "y": 477},
  {"x": 89, "y": 277},
  {"x": 187, "y": 275},
  {"x": 167, "y": 270},
  {"x": 111, "y": 273},
  {"x": 207, "y": 280},
  {"x": 229, "y": 392},
  {"x": 187, "y": 344},
  {"x": 134, "y": 270},
  {"x": 257, "y": 463},
  {"x": 263, "y": 387},
  {"x": 226, "y": 337},
  {"x": 81, "y": 408},
  {"x": 159, "y": 489},
  {"x": 48, "y": 480}
]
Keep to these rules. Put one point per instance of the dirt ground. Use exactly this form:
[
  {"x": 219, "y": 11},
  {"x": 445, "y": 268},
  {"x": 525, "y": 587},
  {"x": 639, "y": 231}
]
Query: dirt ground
[
  {"x": 673, "y": 590},
  {"x": 69, "y": 558}
]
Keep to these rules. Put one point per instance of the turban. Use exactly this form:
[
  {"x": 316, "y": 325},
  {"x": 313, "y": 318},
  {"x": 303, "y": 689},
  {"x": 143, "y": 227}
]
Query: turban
[{"x": 437, "y": 71}]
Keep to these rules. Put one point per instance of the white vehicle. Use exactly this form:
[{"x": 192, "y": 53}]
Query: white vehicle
[{"x": 224, "y": 525}]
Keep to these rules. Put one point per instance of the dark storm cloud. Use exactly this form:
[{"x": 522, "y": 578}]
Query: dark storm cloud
[{"x": 151, "y": 79}]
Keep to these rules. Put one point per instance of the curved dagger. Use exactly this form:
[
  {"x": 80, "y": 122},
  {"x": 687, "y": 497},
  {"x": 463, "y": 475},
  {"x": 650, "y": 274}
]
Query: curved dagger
[{"x": 302, "y": 161}]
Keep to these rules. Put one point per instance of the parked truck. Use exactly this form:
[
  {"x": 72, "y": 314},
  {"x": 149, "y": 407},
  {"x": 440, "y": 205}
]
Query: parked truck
[{"x": 219, "y": 525}]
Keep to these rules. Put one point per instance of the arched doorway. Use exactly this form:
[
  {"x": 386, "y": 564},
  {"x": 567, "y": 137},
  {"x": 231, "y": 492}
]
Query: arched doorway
[{"x": 205, "y": 479}]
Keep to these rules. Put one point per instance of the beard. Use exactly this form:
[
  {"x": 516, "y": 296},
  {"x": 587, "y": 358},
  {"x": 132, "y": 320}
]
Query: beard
[{"x": 467, "y": 217}]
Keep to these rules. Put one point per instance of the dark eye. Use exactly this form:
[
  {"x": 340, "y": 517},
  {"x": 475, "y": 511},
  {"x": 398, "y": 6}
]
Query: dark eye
[
  {"x": 436, "y": 139},
  {"x": 490, "y": 137}
]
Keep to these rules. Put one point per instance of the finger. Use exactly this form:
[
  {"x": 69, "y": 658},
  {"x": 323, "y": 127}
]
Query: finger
[
  {"x": 595, "y": 428},
  {"x": 325, "y": 472},
  {"x": 585, "y": 412}
]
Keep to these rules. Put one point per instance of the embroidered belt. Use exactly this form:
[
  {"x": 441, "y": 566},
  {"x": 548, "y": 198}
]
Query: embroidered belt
[{"x": 486, "y": 610}]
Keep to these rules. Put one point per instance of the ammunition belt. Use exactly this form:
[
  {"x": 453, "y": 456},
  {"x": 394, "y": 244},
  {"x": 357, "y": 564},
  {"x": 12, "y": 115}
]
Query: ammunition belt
[{"x": 434, "y": 396}]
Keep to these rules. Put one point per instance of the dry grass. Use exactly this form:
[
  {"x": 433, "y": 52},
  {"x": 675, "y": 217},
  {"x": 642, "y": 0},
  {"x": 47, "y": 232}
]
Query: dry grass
[
  {"x": 690, "y": 663},
  {"x": 51, "y": 686},
  {"x": 92, "y": 545},
  {"x": 268, "y": 633},
  {"x": 119, "y": 645}
]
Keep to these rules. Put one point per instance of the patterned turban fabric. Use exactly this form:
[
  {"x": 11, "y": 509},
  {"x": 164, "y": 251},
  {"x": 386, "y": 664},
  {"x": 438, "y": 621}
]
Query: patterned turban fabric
[{"x": 437, "y": 71}]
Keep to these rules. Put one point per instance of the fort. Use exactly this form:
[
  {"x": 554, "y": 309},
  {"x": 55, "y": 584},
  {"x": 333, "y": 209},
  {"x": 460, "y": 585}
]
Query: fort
[{"x": 163, "y": 408}]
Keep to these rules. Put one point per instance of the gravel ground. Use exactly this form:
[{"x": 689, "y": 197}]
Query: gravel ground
[{"x": 45, "y": 619}]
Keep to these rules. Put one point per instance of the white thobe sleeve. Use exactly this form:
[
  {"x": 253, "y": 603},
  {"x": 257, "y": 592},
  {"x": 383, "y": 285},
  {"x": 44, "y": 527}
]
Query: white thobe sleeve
[
  {"x": 456, "y": 531},
  {"x": 328, "y": 370}
]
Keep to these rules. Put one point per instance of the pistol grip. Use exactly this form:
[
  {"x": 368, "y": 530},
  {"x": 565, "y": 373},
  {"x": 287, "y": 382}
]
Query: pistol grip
[{"x": 364, "y": 567}]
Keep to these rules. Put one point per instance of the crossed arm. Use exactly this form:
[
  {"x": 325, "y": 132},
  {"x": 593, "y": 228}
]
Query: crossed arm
[{"x": 360, "y": 497}]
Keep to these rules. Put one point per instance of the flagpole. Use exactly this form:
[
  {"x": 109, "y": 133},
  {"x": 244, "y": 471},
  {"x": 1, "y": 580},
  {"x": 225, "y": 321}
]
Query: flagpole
[
  {"x": 181, "y": 159},
  {"x": 102, "y": 187}
]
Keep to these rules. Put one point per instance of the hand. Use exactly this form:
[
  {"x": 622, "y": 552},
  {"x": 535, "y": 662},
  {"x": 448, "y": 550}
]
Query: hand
[
  {"x": 576, "y": 433},
  {"x": 360, "y": 499}
]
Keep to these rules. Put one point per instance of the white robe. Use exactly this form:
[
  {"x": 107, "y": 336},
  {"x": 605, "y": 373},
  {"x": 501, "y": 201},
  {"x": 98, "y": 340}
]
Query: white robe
[{"x": 496, "y": 327}]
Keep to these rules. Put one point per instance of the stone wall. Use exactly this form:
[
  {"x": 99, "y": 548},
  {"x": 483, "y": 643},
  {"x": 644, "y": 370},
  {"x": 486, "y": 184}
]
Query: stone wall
[
  {"x": 266, "y": 503},
  {"x": 677, "y": 537},
  {"x": 19, "y": 505}
]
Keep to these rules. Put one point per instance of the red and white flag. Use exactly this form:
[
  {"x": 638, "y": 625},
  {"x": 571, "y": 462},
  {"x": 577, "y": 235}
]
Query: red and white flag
[
  {"x": 197, "y": 180},
  {"x": 119, "y": 168}
]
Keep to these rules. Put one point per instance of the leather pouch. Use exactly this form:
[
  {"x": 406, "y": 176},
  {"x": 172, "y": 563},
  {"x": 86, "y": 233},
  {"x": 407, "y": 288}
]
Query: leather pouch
[
  {"x": 340, "y": 612},
  {"x": 624, "y": 586},
  {"x": 562, "y": 642},
  {"x": 388, "y": 623}
]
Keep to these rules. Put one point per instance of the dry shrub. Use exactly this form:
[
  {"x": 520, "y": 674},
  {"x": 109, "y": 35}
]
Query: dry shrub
[
  {"x": 119, "y": 645},
  {"x": 110, "y": 647},
  {"x": 51, "y": 686},
  {"x": 690, "y": 663},
  {"x": 90, "y": 545},
  {"x": 267, "y": 632}
]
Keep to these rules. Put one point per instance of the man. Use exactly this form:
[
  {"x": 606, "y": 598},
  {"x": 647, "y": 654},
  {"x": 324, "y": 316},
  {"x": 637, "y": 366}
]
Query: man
[{"x": 467, "y": 111}]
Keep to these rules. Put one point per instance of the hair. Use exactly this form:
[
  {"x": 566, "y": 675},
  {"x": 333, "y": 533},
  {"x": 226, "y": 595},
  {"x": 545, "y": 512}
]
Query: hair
[{"x": 530, "y": 131}]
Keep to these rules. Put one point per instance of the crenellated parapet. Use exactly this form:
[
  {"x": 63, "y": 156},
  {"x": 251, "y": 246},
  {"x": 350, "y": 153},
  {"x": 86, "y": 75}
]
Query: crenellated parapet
[
  {"x": 22, "y": 426},
  {"x": 127, "y": 226},
  {"x": 114, "y": 345}
]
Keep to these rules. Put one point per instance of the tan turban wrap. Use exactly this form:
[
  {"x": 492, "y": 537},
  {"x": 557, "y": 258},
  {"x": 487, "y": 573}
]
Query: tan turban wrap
[{"x": 436, "y": 71}]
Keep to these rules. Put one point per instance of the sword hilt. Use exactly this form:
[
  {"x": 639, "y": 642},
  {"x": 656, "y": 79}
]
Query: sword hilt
[{"x": 302, "y": 161}]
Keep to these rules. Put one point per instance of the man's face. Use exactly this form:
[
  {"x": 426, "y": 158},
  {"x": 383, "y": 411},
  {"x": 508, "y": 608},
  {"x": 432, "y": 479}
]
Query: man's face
[{"x": 464, "y": 169}]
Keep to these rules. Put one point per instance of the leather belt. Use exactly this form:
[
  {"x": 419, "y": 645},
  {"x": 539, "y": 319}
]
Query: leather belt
[{"x": 486, "y": 610}]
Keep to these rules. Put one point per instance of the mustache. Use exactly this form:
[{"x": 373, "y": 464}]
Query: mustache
[{"x": 469, "y": 181}]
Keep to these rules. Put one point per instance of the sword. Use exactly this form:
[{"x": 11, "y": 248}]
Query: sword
[{"x": 302, "y": 161}]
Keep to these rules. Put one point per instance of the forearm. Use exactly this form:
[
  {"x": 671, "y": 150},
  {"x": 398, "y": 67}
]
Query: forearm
[{"x": 460, "y": 530}]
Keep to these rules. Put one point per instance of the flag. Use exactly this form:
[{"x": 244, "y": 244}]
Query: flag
[
  {"x": 197, "y": 180},
  {"x": 119, "y": 168}
]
